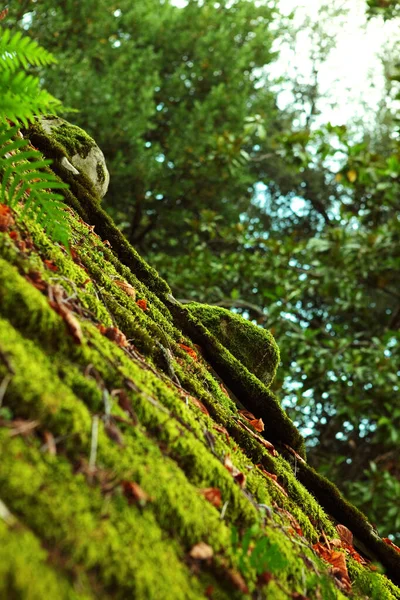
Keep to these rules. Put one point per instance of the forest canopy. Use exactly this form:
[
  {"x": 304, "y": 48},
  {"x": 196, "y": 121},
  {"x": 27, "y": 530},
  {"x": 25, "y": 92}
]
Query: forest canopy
[{"x": 288, "y": 220}]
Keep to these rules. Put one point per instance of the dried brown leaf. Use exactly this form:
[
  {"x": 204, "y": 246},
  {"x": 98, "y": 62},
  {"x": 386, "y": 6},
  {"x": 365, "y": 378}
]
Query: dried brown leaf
[
  {"x": 345, "y": 534},
  {"x": 213, "y": 495},
  {"x": 114, "y": 433},
  {"x": 126, "y": 287},
  {"x": 134, "y": 493},
  {"x": 201, "y": 551}
]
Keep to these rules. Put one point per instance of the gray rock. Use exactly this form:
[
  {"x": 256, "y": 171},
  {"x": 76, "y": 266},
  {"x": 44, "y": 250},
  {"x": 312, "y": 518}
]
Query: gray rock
[{"x": 82, "y": 153}]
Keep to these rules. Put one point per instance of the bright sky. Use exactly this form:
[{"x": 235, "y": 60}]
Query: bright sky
[{"x": 352, "y": 75}]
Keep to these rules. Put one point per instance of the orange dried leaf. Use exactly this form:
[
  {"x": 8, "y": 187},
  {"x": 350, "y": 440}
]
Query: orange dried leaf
[
  {"x": 238, "y": 581},
  {"x": 390, "y": 543},
  {"x": 221, "y": 429},
  {"x": 142, "y": 304},
  {"x": 134, "y": 493},
  {"x": 247, "y": 415},
  {"x": 115, "y": 335},
  {"x": 224, "y": 390},
  {"x": 199, "y": 405},
  {"x": 295, "y": 454},
  {"x": 6, "y": 218},
  {"x": 58, "y": 305},
  {"x": 270, "y": 447},
  {"x": 201, "y": 551},
  {"x": 127, "y": 288},
  {"x": 189, "y": 351},
  {"x": 345, "y": 534},
  {"x": 274, "y": 478},
  {"x": 212, "y": 495},
  {"x": 50, "y": 265},
  {"x": 258, "y": 424}
]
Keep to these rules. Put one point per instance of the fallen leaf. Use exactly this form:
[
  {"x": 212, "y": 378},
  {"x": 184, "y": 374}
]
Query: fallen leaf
[
  {"x": 13, "y": 235},
  {"x": 125, "y": 403},
  {"x": 238, "y": 581},
  {"x": 127, "y": 288},
  {"x": 264, "y": 578},
  {"x": 213, "y": 495},
  {"x": 35, "y": 278},
  {"x": 267, "y": 445},
  {"x": 238, "y": 476},
  {"x": 134, "y": 493},
  {"x": 115, "y": 335},
  {"x": 199, "y": 405},
  {"x": 345, "y": 534},
  {"x": 50, "y": 443},
  {"x": 224, "y": 390},
  {"x": 390, "y": 543},
  {"x": 247, "y": 415},
  {"x": 274, "y": 478},
  {"x": 201, "y": 551},
  {"x": 142, "y": 304},
  {"x": 295, "y": 454},
  {"x": 221, "y": 429},
  {"x": 189, "y": 351},
  {"x": 3, "y": 14},
  {"x": 6, "y": 218},
  {"x": 258, "y": 424},
  {"x": 228, "y": 464},
  {"x": 58, "y": 305},
  {"x": 114, "y": 433},
  {"x": 50, "y": 265}
]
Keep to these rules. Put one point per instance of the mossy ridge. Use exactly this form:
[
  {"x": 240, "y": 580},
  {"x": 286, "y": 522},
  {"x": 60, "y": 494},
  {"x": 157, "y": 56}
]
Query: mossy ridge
[
  {"x": 248, "y": 389},
  {"x": 237, "y": 376},
  {"x": 74, "y": 517},
  {"x": 84, "y": 356},
  {"x": 253, "y": 346},
  {"x": 333, "y": 502},
  {"x": 28, "y": 571},
  {"x": 82, "y": 198},
  {"x": 67, "y": 346},
  {"x": 112, "y": 459},
  {"x": 108, "y": 450},
  {"x": 40, "y": 296}
]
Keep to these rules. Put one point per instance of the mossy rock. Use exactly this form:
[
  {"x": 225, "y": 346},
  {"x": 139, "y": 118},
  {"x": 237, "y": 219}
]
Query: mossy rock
[
  {"x": 253, "y": 346},
  {"x": 82, "y": 154},
  {"x": 127, "y": 471}
]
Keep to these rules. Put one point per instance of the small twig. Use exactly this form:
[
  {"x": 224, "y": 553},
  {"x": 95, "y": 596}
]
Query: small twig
[
  {"x": 94, "y": 443},
  {"x": 4, "y": 386},
  {"x": 223, "y": 511}
]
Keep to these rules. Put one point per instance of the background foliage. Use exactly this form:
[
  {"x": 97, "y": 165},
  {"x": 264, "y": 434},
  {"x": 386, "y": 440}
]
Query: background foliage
[{"x": 292, "y": 223}]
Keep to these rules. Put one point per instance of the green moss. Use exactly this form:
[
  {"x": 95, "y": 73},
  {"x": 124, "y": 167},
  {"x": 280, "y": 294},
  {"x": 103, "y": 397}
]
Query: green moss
[
  {"x": 171, "y": 434},
  {"x": 74, "y": 139},
  {"x": 101, "y": 176},
  {"x": 251, "y": 345},
  {"x": 28, "y": 571}
]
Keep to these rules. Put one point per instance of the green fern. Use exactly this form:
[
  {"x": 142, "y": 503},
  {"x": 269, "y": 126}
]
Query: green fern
[
  {"x": 23, "y": 182},
  {"x": 26, "y": 182}
]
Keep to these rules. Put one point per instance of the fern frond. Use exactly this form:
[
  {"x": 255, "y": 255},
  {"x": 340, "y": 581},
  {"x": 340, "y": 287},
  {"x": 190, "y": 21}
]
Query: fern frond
[
  {"x": 18, "y": 51},
  {"x": 21, "y": 98},
  {"x": 24, "y": 181}
]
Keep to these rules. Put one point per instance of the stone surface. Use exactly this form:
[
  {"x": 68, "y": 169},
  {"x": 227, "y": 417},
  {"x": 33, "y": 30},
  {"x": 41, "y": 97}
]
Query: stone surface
[{"x": 82, "y": 151}]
